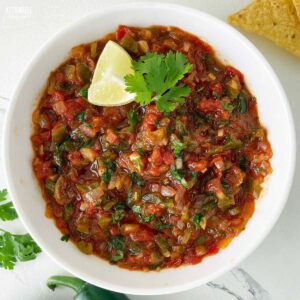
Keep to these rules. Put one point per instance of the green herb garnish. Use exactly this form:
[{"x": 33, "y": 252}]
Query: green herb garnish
[
  {"x": 160, "y": 226},
  {"x": 110, "y": 168},
  {"x": 228, "y": 106},
  {"x": 117, "y": 243},
  {"x": 242, "y": 105},
  {"x": 197, "y": 218},
  {"x": 178, "y": 176},
  {"x": 117, "y": 216},
  {"x": 156, "y": 77},
  {"x": 177, "y": 147},
  {"x": 230, "y": 144},
  {"x": 65, "y": 238},
  {"x": 7, "y": 211},
  {"x": 136, "y": 209},
  {"x": 16, "y": 247},
  {"x": 84, "y": 91},
  {"x": 87, "y": 124},
  {"x": 80, "y": 116},
  {"x": 132, "y": 118},
  {"x": 119, "y": 256},
  {"x": 136, "y": 178},
  {"x": 140, "y": 152},
  {"x": 243, "y": 163}
]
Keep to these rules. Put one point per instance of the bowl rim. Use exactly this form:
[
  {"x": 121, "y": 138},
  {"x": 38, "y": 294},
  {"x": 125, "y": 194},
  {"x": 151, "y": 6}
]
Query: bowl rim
[{"x": 9, "y": 178}]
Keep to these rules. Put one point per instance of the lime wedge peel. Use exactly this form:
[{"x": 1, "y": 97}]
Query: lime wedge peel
[{"x": 108, "y": 86}]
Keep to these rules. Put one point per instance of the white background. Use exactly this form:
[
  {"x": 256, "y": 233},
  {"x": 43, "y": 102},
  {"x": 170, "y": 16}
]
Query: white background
[{"x": 24, "y": 27}]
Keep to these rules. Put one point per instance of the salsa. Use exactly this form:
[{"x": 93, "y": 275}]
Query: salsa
[{"x": 144, "y": 189}]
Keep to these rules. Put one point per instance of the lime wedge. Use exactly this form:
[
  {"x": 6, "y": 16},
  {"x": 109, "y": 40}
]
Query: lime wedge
[{"x": 108, "y": 86}]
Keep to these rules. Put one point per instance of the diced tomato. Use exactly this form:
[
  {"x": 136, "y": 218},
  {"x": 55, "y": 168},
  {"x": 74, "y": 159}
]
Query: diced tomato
[
  {"x": 42, "y": 169},
  {"x": 144, "y": 163},
  {"x": 111, "y": 137},
  {"x": 203, "y": 46},
  {"x": 213, "y": 106},
  {"x": 168, "y": 158},
  {"x": 143, "y": 235},
  {"x": 97, "y": 122},
  {"x": 198, "y": 166},
  {"x": 74, "y": 107},
  {"x": 113, "y": 115},
  {"x": 60, "y": 107},
  {"x": 231, "y": 72},
  {"x": 141, "y": 260},
  {"x": 59, "y": 77},
  {"x": 156, "y": 157},
  {"x": 154, "y": 209},
  {"x": 114, "y": 230},
  {"x": 218, "y": 163},
  {"x": 149, "y": 122},
  {"x": 58, "y": 96},
  {"x": 192, "y": 259},
  {"x": 41, "y": 138},
  {"x": 214, "y": 186},
  {"x": 54, "y": 98},
  {"x": 76, "y": 158},
  {"x": 154, "y": 171},
  {"x": 209, "y": 105},
  {"x": 217, "y": 88},
  {"x": 152, "y": 109},
  {"x": 91, "y": 210},
  {"x": 121, "y": 31},
  {"x": 87, "y": 130},
  {"x": 213, "y": 249},
  {"x": 131, "y": 138},
  {"x": 175, "y": 262},
  {"x": 157, "y": 170}
]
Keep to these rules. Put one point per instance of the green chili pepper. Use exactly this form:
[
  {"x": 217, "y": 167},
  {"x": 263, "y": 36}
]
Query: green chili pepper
[
  {"x": 129, "y": 43},
  {"x": 84, "y": 290}
]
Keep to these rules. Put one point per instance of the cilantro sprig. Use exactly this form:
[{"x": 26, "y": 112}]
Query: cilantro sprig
[
  {"x": 16, "y": 247},
  {"x": 7, "y": 211},
  {"x": 156, "y": 79}
]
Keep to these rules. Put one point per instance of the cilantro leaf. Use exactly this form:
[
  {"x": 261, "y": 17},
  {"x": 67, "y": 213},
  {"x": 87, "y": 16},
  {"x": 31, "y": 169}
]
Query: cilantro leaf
[
  {"x": 136, "y": 84},
  {"x": 132, "y": 118},
  {"x": 80, "y": 116},
  {"x": 65, "y": 238},
  {"x": 178, "y": 176},
  {"x": 119, "y": 256},
  {"x": 136, "y": 178},
  {"x": 116, "y": 242},
  {"x": 197, "y": 218},
  {"x": 140, "y": 151},
  {"x": 16, "y": 247},
  {"x": 7, "y": 211},
  {"x": 174, "y": 96},
  {"x": 228, "y": 106},
  {"x": 176, "y": 145},
  {"x": 242, "y": 105},
  {"x": 110, "y": 168},
  {"x": 156, "y": 77}
]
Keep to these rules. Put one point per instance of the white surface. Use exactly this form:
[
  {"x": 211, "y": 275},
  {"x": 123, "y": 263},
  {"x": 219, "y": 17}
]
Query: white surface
[{"x": 26, "y": 25}]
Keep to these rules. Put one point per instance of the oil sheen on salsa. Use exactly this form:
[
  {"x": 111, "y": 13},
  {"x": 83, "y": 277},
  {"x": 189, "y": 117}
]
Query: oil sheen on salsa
[{"x": 143, "y": 189}]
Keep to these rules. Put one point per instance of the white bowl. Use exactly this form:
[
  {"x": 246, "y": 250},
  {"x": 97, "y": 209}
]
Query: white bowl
[{"x": 232, "y": 48}]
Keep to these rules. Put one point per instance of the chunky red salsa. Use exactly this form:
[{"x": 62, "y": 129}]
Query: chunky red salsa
[{"x": 145, "y": 189}]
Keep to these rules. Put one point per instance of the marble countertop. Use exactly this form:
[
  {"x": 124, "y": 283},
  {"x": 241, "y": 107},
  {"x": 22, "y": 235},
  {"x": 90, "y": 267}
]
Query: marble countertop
[{"x": 270, "y": 272}]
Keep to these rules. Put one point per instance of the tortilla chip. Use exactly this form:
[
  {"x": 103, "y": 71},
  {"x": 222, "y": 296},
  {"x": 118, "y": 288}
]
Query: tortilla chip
[
  {"x": 297, "y": 6},
  {"x": 274, "y": 19}
]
